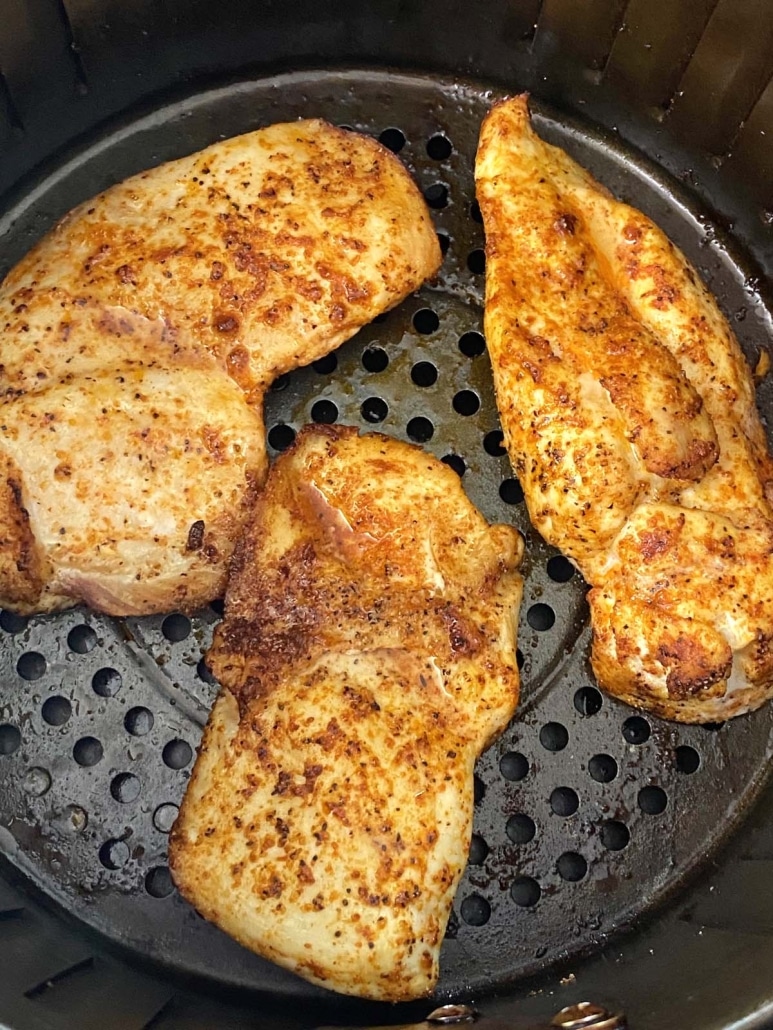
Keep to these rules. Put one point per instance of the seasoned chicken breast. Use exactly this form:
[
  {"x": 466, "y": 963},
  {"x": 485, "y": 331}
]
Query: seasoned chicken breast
[
  {"x": 629, "y": 415},
  {"x": 137, "y": 341},
  {"x": 366, "y": 657}
]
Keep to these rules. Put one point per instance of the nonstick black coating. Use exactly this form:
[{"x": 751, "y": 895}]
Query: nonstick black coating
[{"x": 587, "y": 813}]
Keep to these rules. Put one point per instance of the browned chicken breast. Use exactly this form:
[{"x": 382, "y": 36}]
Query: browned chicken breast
[
  {"x": 629, "y": 416},
  {"x": 366, "y": 657},
  {"x": 138, "y": 338}
]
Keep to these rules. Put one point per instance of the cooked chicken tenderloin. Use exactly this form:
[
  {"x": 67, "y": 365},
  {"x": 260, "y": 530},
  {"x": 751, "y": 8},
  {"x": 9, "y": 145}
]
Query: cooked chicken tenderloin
[
  {"x": 629, "y": 415},
  {"x": 366, "y": 658},
  {"x": 138, "y": 339}
]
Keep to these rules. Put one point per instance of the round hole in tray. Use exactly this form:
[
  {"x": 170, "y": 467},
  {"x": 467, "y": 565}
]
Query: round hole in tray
[
  {"x": 31, "y": 665},
  {"x": 177, "y": 754},
  {"x": 420, "y": 429},
  {"x": 426, "y": 321},
  {"x": 325, "y": 412},
  {"x": 164, "y": 817},
  {"x": 326, "y": 365},
  {"x": 436, "y": 195},
  {"x": 12, "y": 623},
  {"x": 514, "y": 766},
  {"x": 472, "y": 344},
  {"x": 444, "y": 241},
  {"x": 476, "y": 261},
  {"x": 479, "y": 850},
  {"x": 37, "y": 781},
  {"x": 114, "y": 854},
  {"x": 106, "y": 682},
  {"x": 554, "y": 736},
  {"x": 88, "y": 751},
  {"x": 158, "y": 882},
  {"x": 466, "y": 402},
  {"x": 510, "y": 491},
  {"x": 70, "y": 820},
  {"x": 203, "y": 672},
  {"x": 560, "y": 569},
  {"x": 493, "y": 443},
  {"x": 56, "y": 710},
  {"x": 176, "y": 627},
  {"x": 687, "y": 759},
  {"x": 564, "y": 801},
  {"x": 652, "y": 800},
  {"x": 456, "y": 462},
  {"x": 424, "y": 373},
  {"x": 525, "y": 891},
  {"x": 281, "y": 436},
  {"x": 139, "y": 721},
  {"x": 541, "y": 617},
  {"x": 475, "y": 910},
  {"x": 125, "y": 787},
  {"x": 374, "y": 409},
  {"x": 587, "y": 701},
  {"x": 10, "y": 738},
  {"x": 602, "y": 768},
  {"x": 375, "y": 359},
  {"x": 82, "y": 639},
  {"x": 393, "y": 139},
  {"x": 615, "y": 835},
  {"x": 571, "y": 866},
  {"x": 439, "y": 147},
  {"x": 636, "y": 730},
  {"x": 520, "y": 828}
]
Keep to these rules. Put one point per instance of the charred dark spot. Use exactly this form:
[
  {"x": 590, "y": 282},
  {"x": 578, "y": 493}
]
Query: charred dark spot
[
  {"x": 368, "y": 896},
  {"x": 566, "y": 223},
  {"x": 285, "y": 785},
  {"x": 224, "y": 322},
  {"x": 195, "y": 536},
  {"x": 462, "y": 637},
  {"x": 283, "y": 830},
  {"x": 274, "y": 888},
  {"x": 331, "y": 736},
  {"x": 126, "y": 275},
  {"x": 305, "y": 874}
]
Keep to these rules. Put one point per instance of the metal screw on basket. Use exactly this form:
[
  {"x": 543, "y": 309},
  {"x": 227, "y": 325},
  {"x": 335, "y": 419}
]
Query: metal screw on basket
[
  {"x": 448, "y": 1015},
  {"x": 585, "y": 1015}
]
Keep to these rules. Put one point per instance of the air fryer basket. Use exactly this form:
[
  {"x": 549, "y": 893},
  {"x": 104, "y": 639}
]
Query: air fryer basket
[{"x": 616, "y": 857}]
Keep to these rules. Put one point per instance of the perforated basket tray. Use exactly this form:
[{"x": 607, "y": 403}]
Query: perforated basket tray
[{"x": 587, "y": 813}]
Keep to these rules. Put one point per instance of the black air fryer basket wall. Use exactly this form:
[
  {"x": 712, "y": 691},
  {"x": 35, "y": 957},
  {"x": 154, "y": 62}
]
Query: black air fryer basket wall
[{"x": 616, "y": 858}]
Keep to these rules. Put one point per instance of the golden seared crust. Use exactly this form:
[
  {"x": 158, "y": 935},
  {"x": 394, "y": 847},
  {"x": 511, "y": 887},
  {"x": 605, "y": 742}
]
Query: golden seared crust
[
  {"x": 215, "y": 272},
  {"x": 19, "y": 558},
  {"x": 366, "y": 657},
  {"x": 629, "y": 415},
  {"x": 266, "y": 251}
]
